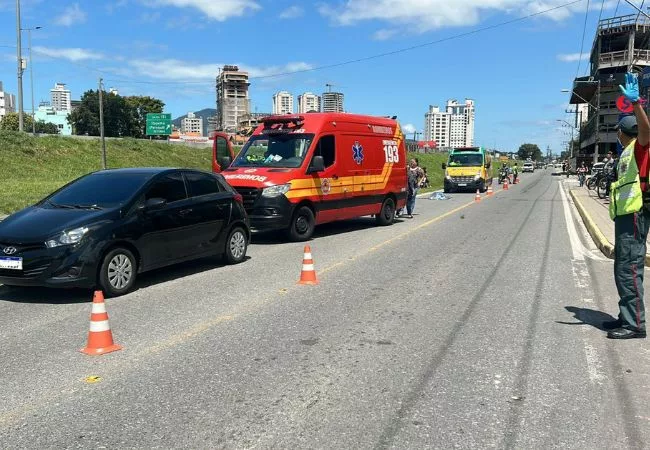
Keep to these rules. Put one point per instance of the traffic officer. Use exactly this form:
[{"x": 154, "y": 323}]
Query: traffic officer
[{"x": 630, "y": 209}]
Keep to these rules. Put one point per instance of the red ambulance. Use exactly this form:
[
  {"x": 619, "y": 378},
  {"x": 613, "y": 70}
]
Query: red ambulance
[{"x": 299, "y": 171}]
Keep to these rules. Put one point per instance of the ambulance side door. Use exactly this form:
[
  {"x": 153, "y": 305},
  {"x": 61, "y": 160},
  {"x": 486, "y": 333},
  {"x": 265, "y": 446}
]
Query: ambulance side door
[{"x": 329, "y": 182}]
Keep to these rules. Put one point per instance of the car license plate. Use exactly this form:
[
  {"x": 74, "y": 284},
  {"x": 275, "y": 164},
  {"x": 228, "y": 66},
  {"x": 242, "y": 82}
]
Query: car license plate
[
  {"x": 462, "y": 184},
  {"x": 7, "y": 262}
]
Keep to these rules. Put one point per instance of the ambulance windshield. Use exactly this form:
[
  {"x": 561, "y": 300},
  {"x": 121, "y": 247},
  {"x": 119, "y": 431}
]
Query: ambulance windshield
[
  {"x": 465, "y": 159},
  {"x": 282, "y": 150}
]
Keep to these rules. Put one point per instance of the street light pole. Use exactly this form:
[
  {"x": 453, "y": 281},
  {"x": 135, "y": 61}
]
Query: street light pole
[
  {"x": 19, "y": 56},
  {"x": 31, "y": 75}
]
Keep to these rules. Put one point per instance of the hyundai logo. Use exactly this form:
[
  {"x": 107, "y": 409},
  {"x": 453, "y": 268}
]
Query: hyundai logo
[{"x": 10, "y": 250}]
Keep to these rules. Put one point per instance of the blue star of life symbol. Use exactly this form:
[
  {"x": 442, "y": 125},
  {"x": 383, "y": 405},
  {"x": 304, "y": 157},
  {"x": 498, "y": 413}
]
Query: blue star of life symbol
[{"x": 357, "y": 150}]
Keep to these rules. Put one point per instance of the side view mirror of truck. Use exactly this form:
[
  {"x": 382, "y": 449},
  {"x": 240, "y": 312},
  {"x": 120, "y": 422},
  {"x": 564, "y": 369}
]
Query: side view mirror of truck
[
  {"x": 317, "y": 165},
  {"x": 444, "y": 166},
  {"x": 225, "y": 162}
]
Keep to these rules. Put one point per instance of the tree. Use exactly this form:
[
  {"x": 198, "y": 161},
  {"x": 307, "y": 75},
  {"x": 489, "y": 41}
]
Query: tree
[
  {"x": 531, "y": 151},
  {"x": 123, "y": 116},
  {"x": 11, "y": 122},
  {"x": 141, "y": 106},
  {"x": 118, "y": 115}
]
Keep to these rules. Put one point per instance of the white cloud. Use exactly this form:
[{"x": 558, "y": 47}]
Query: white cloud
[
  {"x": 72, "y": 15},
  {"x": 425, "y": 15},
  {"x": 177, "y": 70},
  {"x": 384, "y": 34},
  {"x": 292, "y": 12},
  {"x": 71, "y": 54},
  {"x": 409, "y": 128},
  {"x": 219, "y": 10},
  {"x": 573, "y": 57}
]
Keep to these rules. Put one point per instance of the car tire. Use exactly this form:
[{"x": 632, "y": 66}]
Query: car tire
[
  {"x": 302, "y": 225},
  {"x": 387, "y": 214},
  {"x": 236, "y": 245},
  {"x": 118, "y": 272}
]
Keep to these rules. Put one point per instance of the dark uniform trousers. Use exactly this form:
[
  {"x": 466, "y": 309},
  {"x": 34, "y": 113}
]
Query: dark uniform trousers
[{"x": 631, "y": 233}]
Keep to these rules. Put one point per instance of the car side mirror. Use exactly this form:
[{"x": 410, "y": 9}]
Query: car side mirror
[
  {"x": 317, "y": 165},
  {"x": 225, "y": 162},
  {"x": 153, "y": 204},
  {"x": 488, "y": 165},
  {"x": 444, "y": 166}
]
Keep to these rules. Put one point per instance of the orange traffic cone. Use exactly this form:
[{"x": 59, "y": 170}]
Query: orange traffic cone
[
  {"x": 477, "y": 197},
  {"x": 308, "y": 274},
  {"x": 505, "y": 184},
  {"x": 100, "y": 338},
  {"x": 490, "y": 191}
]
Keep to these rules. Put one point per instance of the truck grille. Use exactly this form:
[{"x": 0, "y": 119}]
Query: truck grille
[
  {"x": 250, "y": 196},
  {"x": 468, "y": 179}
]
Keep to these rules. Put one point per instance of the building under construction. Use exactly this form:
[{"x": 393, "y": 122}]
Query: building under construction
[
  {"x": 621, "y": 45},
  {"x": 232, "y": 98}
]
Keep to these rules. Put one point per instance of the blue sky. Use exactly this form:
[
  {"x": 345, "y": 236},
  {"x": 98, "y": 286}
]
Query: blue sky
[{"x": 171, "y": 49}]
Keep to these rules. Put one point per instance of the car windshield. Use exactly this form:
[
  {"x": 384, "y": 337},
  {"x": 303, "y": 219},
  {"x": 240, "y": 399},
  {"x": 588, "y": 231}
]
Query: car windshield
[
  {"x": 284, "y": 150},
  {"x": 100, "y": 190},
  {"x": 471, "y": 159}
]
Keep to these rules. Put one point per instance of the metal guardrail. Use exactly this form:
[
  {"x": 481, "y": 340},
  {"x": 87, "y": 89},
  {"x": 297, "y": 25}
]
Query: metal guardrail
[
  {"x": 621, "y": 21},
  {"x": 623, "y": 56}
]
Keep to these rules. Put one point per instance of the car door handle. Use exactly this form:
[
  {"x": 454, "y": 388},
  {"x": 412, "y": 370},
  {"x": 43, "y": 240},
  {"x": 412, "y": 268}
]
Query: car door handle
[{"x": 184, "y": 212}]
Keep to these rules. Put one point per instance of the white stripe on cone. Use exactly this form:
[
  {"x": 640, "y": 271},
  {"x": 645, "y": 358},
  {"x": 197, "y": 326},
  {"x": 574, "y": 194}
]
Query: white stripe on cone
[
  {"x": 307, "y": 256},
  {"x": 99, "y": 308},
  {"x": 308, "y": 267},
  {"x": 96, "y": 327}
]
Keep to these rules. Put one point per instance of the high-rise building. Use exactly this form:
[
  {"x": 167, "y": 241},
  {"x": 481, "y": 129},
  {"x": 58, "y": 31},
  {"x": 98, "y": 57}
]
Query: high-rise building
[
  {"x": 620, "y": 43},
  {"x": 7, "y": 102},
  {"x": 60, "y": 98},
  {"x": 453, "y": 127},
  {"x": 308, "y": 102},
  {"x": 192, "y": 124},
  {"x": 332, "y": 102},
  {"x": 232, "y": 97},
  {"x": 283, "y": 103},
  {"x": 461, "y": 130},
  {"x": 436, "y": 126}
]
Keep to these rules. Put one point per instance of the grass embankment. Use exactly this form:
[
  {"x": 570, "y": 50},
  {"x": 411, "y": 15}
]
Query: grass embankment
[
  {"x": 32, "y": 167},
  {"x": 433, "y": 163}
]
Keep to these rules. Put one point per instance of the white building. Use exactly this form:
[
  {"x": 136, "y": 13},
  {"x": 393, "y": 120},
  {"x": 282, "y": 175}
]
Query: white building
[
  {"x": 283, "y": 103},
  {"x": 332, "y": 102},
  {"x": 192, "y": 124},
  {"x": 61, "y": 100},
  {"x": 436, "y": 126},
  {"x": 308, "y": 102},
  {"x": 7, "y": 102},
  {"x": 453, "y": 127}
]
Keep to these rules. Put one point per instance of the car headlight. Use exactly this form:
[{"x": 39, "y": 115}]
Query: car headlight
[
  {"x": 477, "y": 176},
  {"x": 67, "y": 238},
  {"x": 447, "y": 175},
  {"x": 276, "y": 191}
]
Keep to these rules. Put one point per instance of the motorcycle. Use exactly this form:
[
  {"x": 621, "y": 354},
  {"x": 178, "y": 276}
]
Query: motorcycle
[{"x": 503, "y": 174}]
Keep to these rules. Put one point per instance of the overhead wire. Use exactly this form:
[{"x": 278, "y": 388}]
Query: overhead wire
[{"x": 582, "y": 44}]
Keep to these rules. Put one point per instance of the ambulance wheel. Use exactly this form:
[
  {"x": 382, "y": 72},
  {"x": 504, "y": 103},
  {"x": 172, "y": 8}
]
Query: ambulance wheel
[
  {"x": 387, "y": 214},
  {"x": 302, "y": 224}
]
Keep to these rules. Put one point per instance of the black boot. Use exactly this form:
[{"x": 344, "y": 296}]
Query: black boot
[{"x": 626, "y": 333}]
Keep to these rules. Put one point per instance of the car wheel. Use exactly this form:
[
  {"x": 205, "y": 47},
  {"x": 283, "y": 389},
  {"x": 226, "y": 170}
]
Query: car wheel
[
  {"x": 118, "y": 272},
  {"x": 302, "y": 224},
  {"x": 387, "y": 214},
  {"x": 236, "y": 245}
]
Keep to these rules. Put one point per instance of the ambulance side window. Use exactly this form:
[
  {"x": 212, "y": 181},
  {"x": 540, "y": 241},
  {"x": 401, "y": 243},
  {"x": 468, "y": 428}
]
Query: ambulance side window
[{"x": 327, "y": 149}]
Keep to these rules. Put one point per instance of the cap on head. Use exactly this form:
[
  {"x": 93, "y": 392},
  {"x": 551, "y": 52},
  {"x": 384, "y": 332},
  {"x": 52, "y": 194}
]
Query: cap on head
[{"x": 628, "y": 126}]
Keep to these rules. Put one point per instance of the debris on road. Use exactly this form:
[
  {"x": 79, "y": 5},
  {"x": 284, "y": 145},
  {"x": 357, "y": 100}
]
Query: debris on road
[{"x": 439, "y": 196}]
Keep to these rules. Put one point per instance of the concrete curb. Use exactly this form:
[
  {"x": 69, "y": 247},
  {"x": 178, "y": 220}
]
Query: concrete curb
[{"x": 599, "y": 238}]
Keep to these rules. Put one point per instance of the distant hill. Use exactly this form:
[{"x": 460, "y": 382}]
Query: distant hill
[{"x": 204, "y": 113}]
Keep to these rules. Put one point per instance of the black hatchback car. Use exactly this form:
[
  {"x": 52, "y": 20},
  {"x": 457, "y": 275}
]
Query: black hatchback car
[{"x": 104, "y": 228}]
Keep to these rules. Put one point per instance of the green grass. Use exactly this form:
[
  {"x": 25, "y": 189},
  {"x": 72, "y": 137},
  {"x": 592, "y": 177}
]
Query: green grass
[{"x": 31, "y": 168}]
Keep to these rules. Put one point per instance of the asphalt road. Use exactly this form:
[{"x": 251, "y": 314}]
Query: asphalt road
[{"x": 469, "y": 326}]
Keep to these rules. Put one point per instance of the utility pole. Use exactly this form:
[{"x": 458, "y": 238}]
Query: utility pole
[
  {"x": 597, "y": 123},
  {"x": 19, "y": 56},
  {"x": 101, "y": 123}
]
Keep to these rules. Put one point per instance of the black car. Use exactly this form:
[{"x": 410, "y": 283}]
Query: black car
[{"x": 104, "y": 228}]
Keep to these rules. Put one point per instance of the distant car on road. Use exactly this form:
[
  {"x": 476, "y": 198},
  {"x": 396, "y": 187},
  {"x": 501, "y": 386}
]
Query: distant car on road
[
  {"x": 528, "y": 167},
  {"x": 104, "y": 228}
]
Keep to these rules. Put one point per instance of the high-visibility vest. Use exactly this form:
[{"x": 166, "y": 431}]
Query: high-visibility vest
[{"x": 626, "y": 196}]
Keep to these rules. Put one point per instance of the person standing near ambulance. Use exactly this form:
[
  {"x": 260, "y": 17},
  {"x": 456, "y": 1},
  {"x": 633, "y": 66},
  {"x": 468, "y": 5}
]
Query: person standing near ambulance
[{"x": 630, "y": 209}]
